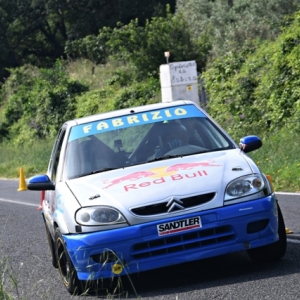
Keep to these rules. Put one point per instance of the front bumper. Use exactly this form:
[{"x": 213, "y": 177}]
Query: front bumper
[{"x": 139, "y": 248}]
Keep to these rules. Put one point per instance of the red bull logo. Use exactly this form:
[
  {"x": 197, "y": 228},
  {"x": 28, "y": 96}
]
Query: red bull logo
[
  {"x": 129, "y": 177},
  {"x": 159, "y": 175},
  {"x": 189, "y": 166}
]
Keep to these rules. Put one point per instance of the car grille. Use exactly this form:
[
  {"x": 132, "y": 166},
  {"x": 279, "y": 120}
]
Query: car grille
[
  {"x": 183, "y": 242},
  {"x": 162, "y": 208}
]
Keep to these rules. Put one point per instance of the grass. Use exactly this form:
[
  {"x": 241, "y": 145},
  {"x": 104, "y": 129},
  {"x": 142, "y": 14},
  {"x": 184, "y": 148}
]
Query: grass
[
  {"x": 3, "y": 294},
  {"x": 280, "y": 158},
  {"x": 32, "y": 158},
  {"x": 94, "y": 75},
  {"x": 7, "y": 280},
  {"x": 113, "y": 288}
]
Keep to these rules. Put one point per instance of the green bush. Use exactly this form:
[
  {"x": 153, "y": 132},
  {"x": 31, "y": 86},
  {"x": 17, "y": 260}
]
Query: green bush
[
  {"x": 93, "y": 102},
  {"x": 38, "y": 101},
  {"x": 257, "y": 89},
  {"x": 138, "y": 94},
  {"x": 113, "y": 97},
  {"x": 279, "y": 157}
]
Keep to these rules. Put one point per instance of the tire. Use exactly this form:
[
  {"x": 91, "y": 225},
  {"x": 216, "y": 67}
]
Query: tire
[
  {"x": 274, "y": 251},
  {"x": 65, "y": 266},
  {"x": 51, "y": 247}
]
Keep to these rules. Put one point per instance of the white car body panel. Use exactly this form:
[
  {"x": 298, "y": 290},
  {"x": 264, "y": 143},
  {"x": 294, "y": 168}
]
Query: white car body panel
[{"x": 188, "y": 176}]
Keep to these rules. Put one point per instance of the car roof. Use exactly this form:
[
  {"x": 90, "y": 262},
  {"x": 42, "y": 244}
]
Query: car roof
[{"x": 126, "y": 111}]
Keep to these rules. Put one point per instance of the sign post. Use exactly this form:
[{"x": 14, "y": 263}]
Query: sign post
[{"x": 179, "y": 81}]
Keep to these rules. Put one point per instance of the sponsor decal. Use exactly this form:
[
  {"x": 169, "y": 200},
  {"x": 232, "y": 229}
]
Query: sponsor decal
[
  {"x": 189, "y": 166},
  {"x": 179, "y": 226},
  {"x": 161, "y": 115},
  {"x": 130, "y": 177},
  {"x": 162, "y": 180},
  {"x": 59, "y": 206},
  {"x": 117, "y": 269},
  {"x": 161, "y": 175}
]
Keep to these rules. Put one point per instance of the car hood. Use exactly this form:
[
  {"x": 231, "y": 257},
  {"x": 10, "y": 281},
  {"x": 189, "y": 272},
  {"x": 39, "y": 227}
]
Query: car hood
[{"x": 156, "y": 182}]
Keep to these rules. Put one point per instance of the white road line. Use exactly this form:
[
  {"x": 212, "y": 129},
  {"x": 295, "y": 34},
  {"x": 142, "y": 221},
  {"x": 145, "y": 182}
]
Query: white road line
[
  {"x": 293, "y": 241},
  {"x": 18, "y": 202},
  {"x": 286, "y": 193}
]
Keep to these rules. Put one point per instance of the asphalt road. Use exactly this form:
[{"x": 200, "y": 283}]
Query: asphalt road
[{"x": 24, "y": 257}]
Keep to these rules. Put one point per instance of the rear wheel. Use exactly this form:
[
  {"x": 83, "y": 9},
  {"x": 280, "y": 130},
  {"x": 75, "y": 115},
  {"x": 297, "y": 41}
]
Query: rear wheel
[
  {"x": 65, "y": 266},
  {"x": 274, "y": 251}
]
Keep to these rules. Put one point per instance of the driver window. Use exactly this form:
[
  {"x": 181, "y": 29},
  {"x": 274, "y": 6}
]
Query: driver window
[{"x": 56, "y": 155}]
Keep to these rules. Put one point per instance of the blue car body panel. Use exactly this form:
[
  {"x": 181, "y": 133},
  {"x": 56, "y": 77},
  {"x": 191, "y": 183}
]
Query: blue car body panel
[{"x": 139, "y": 248}]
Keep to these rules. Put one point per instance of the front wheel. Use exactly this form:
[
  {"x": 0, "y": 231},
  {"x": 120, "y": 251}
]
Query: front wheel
[
  {"x": 274, "y": 251},
  {"x": 65, "y": 266},
  {"x": 51, "y": 247}
]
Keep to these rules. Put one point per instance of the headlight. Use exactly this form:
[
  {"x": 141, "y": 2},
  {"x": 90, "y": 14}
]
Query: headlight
[
  {"x": 99, "y": 215},
  {"x": 244, "y": 186}
]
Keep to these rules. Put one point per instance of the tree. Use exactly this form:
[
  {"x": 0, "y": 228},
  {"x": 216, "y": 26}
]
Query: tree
[
  {"x": 144, "y": 47},
  {"x": 231, "y": 23},
  {"x": 36, "y": 31}
]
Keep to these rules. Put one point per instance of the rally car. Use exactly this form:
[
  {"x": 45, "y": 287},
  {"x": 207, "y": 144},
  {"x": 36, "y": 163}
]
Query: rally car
[{"x": 153, "y": 186}]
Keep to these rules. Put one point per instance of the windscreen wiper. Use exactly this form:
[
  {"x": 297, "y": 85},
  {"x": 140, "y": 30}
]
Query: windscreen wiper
[
  {"x": 103, "y": 170},
  {"x": 163, "y": 157},
  {"x": 174, "y": 156},
  {"x": 97, "y": 171}
]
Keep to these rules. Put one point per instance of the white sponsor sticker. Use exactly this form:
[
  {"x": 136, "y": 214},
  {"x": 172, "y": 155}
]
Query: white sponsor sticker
[{"x": 179, "y": 226}]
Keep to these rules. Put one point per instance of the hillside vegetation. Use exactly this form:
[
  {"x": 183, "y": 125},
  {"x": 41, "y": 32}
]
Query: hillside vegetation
[{"x": 246, "y": 50}]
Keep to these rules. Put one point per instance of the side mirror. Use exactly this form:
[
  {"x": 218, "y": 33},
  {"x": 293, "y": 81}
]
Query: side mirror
[
  {"x": 250, "y": 143},
  {"x": 40, "y": 183}
]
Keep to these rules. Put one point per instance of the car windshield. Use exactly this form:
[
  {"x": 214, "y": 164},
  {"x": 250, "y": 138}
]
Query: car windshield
[{"x": 110, "y": 144}]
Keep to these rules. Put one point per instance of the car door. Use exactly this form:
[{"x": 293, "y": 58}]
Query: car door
[{"x": 54, "y": 175}]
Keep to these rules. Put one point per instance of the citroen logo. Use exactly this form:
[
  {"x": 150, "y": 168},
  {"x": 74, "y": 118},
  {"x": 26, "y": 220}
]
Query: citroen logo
[{"x": 175, "y": 204}]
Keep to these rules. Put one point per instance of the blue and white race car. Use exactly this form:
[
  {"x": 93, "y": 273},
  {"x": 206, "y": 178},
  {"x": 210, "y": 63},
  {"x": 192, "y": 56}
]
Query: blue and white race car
[{"x": 153, "y": 186}]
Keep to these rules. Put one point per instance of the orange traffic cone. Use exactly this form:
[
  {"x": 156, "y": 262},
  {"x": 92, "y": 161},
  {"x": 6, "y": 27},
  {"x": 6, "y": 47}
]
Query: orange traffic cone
[{"x": 22, "y": 183}]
